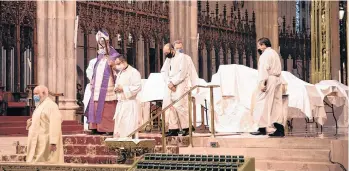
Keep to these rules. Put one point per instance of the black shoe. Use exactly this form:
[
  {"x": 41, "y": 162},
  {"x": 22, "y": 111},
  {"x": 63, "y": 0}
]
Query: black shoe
[
  {"x": 94, "y": 132},
  {"x": 108, "y": 134},
  {"x": 185, "y": 131},
  {"x": 261, "y": 131},
  {"x": 172, "y": 132},
  {"x": 280, "y": 131}
]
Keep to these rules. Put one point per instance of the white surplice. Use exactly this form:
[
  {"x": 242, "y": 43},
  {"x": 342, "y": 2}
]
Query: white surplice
[
  {"x": 87, "y": 94},
  {"x": 268, "y": 106},
  {"x": 128, "y": 107},
  {"x": 175, "y": 70}
]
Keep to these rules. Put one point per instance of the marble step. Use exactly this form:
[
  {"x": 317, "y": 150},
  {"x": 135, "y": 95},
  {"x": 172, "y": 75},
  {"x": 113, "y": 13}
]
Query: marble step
[
  {"x": 179, "y": 140},
  {"x": 10, "y": 124},
  {"x": 85, "y": 156},
  {"x": 97, "y": 150},
  {"x": 4, "y": 119},
  {"x": 313, "y": 155},
  {"x": 15, "y": 166},
  {"x": 78, "y": 150},
  {"x": 91, "y": 159},
  {"x": 272, "y": 165},
  {"x": 66, "y": 129},
  {"x": 263, "y": 142}
]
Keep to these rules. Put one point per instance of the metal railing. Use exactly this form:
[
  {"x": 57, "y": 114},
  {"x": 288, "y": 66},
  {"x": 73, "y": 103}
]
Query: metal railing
[{"x": 189, "y": 93}]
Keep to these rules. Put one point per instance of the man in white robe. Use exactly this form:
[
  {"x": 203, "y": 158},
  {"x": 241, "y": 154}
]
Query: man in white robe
[
  {"x": 267, "y": 110},
  {"x": 192, "y": 74},
  {"x": 45, "y": 143},
  {"x": 87, "y": 94},
  {"x": 128, "y": 85},
  {"x": 175, "y": 74}
]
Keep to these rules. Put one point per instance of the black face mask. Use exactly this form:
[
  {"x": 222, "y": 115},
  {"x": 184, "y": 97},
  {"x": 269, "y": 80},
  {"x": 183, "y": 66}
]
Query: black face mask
[
  {"x": 260, "y": 51},
  {"x": 169, "y": 55}
]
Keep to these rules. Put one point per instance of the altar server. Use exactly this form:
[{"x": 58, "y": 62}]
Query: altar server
[
  {"x": 267, "y": 111},
  {"x": 175, "y": 74},
  {"x": 128, "y": 85}
]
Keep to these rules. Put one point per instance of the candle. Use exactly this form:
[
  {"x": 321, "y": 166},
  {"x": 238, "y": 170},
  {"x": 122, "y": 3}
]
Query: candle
[{"x": 339, "y": 76}]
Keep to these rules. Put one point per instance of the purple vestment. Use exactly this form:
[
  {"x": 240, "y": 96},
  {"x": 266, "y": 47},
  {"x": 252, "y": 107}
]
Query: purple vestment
[{"x": 91, "y": 118}]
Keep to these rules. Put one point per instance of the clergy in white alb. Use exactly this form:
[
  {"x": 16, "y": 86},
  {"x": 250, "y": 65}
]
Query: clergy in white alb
[
  {"x": 192, "y": 74},
  {"x": 175, "y": 75},
  {"x": 45, "y": 142},
  {"x": 87, "y": 94},
  {"x": 128, "y": 85},
  {"x": 267, "y": 111}
]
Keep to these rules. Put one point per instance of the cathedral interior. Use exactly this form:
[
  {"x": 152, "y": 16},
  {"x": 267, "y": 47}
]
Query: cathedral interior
[
  {"x": 213, "y": 33},
  {"x": 52, "y": 42}
]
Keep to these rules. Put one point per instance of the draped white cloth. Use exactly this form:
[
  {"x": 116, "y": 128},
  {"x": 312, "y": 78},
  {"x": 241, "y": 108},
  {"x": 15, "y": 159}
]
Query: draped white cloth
[
  {"x": 337, "y": 94},
  {"x": 233, "y": 98},
  {"x": 304, "y": 99},
  {"x": 144, "y": 114},
  {"x": 87, "y": 94}
]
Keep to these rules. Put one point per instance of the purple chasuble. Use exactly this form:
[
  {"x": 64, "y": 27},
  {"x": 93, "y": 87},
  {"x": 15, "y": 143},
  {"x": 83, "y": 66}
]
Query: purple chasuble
[{"x": 91, "y": 118}]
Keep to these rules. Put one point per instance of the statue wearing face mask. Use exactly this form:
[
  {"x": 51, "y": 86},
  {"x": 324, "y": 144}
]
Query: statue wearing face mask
[{"x": 102, "y": 103}]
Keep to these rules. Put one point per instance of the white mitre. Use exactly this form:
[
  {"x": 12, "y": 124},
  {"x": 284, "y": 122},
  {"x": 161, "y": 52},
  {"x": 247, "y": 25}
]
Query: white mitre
[{"x": 101, "y": 34}]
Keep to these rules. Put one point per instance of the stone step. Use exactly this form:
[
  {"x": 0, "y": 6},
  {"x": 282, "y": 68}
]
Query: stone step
[
  {"x": 272, "y": 165},
  {"x": 313, "y": 155},
  {"x": 179, "y": 141},
  {"x": 91, "y": 159},
  {"x": 66, "y": 129},
  {"x": 23, "y": 124},
  {"x": 83, "y": 154},
  {"x": 15, "y": 166},
  {"x": 263, "y": 142},
  {"x": 13, "y": 158},
  {"x": 97, "y": 150},
  {"x": 170, "y": 149},
  {"x": 78, "y": 150},
  {"x": 13, "y": 118}
]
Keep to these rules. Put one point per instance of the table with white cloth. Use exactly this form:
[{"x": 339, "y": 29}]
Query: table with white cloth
[{"x": 335, "y": 95}]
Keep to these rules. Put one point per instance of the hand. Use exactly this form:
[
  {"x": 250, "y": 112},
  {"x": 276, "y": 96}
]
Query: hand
[
  {"x": 263, "y": 88},
  {"x": 53, "y": 147},
  {"x": 118, "y": 89},
  {"x": 173, "y": 89},
  {"x": 29, "y": 123},
  {"x": 170, "y": 85}
]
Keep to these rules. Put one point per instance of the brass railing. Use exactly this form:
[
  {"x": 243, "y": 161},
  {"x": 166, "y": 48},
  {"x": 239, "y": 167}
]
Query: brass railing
[{"x": 189, "y": 93}]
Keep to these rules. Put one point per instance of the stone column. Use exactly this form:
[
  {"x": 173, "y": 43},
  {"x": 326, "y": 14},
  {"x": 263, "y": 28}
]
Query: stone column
[
  {"x": 41, "y": 41},
  {"x": 335, "y": 46},
  {"x": 183, "y": 26},
  {"x": 52, "y": 44},
  {"x": 56, "y": 52},
  {"x": 140, "y": 56},
  {"x": 266, "y": 22}
]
